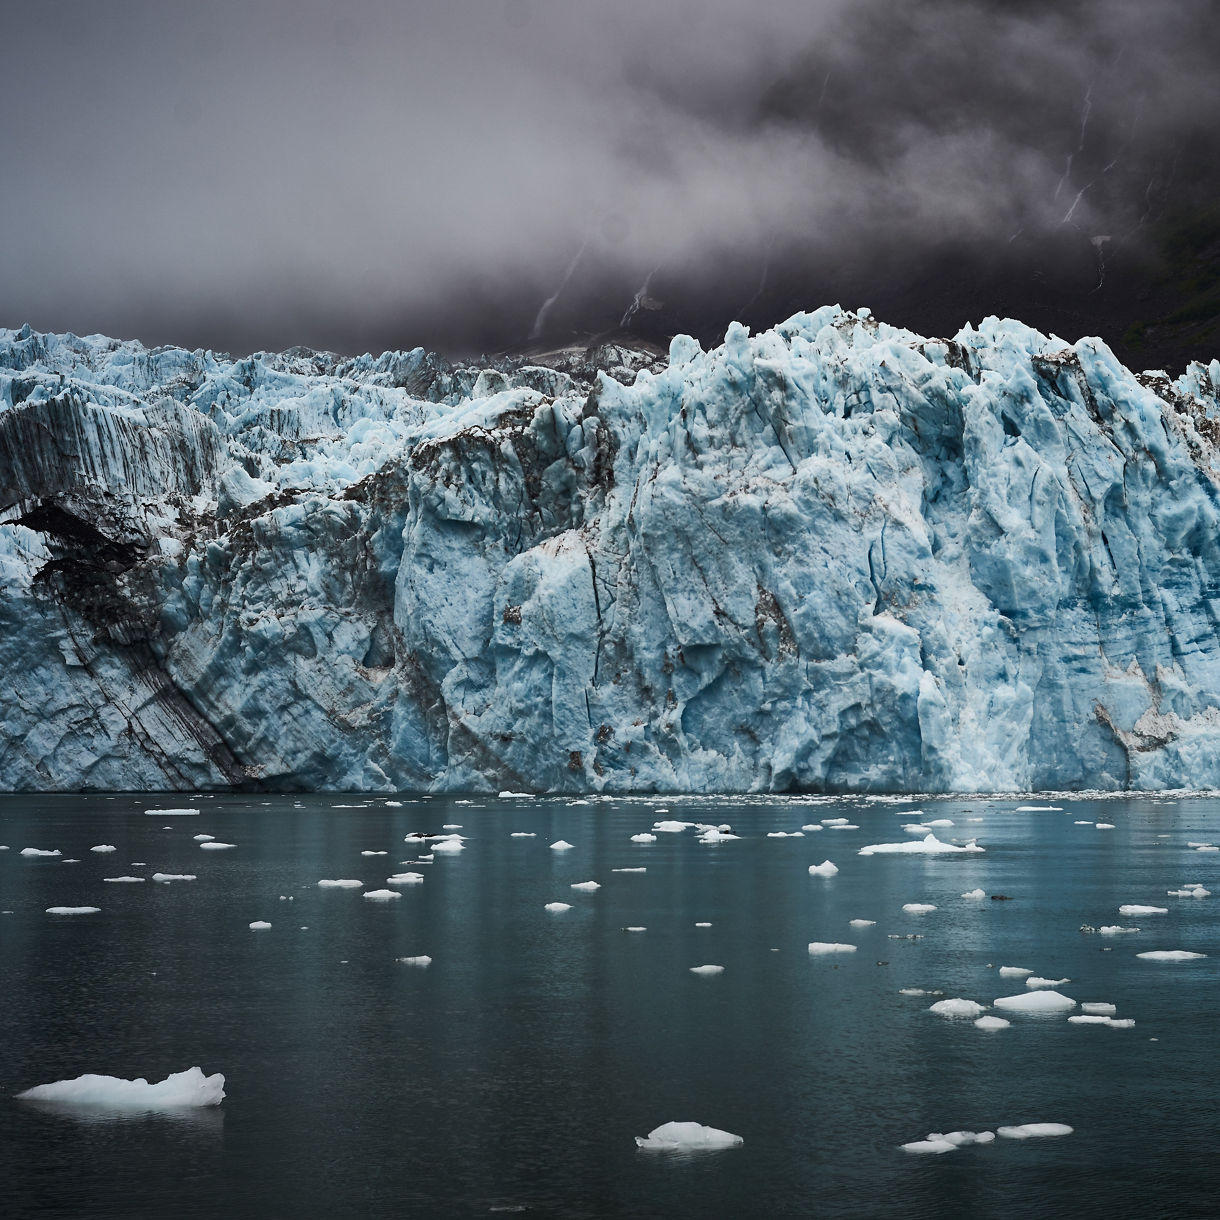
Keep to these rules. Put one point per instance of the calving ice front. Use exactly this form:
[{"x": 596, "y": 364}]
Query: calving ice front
[{"x": 831, "y": 555}]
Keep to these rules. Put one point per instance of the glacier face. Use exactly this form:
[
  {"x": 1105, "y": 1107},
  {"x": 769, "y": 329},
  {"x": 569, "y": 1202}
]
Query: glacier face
[{"x": 835, "y": 555}]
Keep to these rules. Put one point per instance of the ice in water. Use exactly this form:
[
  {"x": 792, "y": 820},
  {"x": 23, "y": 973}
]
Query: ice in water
[
  {"x": 189, "y": 1088},
  {"x": 382, "y": 895},
  {"x": 561, "y": 845},
  {"x": 259, "y": 925},
  {"x": 1133, "y": 908},
  {"x": 104, "y": 847},
  {"x": 590, "y": 886},
  {"x": 707, "y": 971},
  {"x": 991, "y": 1024},
  {"x": 917, "y": 908},
  {"x": 73, "y": 910},
  {"x": 825, "y": 869},
  {"x": 1036, "y": 1002},
  {"x": 343, "y": 883},
  {"x": 957, "y": 1009},
  {"x": 928, "y": 846},
  {"x": 558, "y": 906},
  {"x": 1171, "y": 955},
  {"x": 820, "y": 947},
  {"x": 1033, "y": 1131},
  {"x": 687, "y": 1136}
]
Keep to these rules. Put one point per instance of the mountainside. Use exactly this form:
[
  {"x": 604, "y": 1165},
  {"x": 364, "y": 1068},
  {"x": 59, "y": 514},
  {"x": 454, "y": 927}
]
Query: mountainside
[{"x": 835, "y": 555}]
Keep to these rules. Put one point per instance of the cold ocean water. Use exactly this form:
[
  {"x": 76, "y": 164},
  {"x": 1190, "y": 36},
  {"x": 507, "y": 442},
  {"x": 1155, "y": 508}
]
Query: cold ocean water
[{"x": 513, "y": 1072}]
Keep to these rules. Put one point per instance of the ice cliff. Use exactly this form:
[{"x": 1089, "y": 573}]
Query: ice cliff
[{"x": 835, "y": 555}]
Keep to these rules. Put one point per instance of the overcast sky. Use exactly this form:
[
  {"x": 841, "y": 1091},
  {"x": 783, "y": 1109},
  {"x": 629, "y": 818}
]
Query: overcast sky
[{"x": 260, "y": 173}]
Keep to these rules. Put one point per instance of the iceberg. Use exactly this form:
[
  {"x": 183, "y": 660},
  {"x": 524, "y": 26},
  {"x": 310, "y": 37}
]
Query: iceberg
[
  {"x": 929, "y": 845},
  {"x": 825, "y": 869},
  {"x": 73, "y": 910},
  {"x": 686, "y": 1137},
  {"x": 1132, "y": 908},
  {"x": 1171, "y": 955},
  {"x": 707, "y": 971},
  {"x": 957, "y": 1009},
  {"x": 821, "y": 947},
  {"x": 1033, "y": 1131},
  {"x": 179, "y": 1089},
  {"x": 1035, "y": 1002},
  {"x": 991, "y": 1024},
  {"x": 343, "y": 883}
]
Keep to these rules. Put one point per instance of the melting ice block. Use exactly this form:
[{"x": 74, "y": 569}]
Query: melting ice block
[
  {"x": 644, "y": 837},
  {"x": 405, "y": 879},
  {"x": 825, "y": 869},
  {"x": 558, "y": 906},
  {"x": 73, "y": 910},
  {"x": 590, "y": 886},
  {"x": 917, "y": 908},
  {"x": 382, "y": 895},
  {"x": 862, "y": 923},
  {"x": 167, "y": 877},
  {"x": 214, "y": 846},
  {"x": 171, "y": 813},
  {"x": 343, "y": 883},
  {"x": 930, "y": 845},
  {"x": 30, "y": 852},
  {"x": 923, "y": 1147},
  {"x": 957, "y": 1009},
  {"x": 819, "y": 947},
  {"x": 707, "y": 970},
  {"x": 1133, "y": 908},
  {"x": 1033, "y": 982},
  {"x": 104, "y": 847},
  {"x": 992, "y": 1023},
  {"x": 561, "y": 845},
  {"x": 1171, "y": 955},
  {"x": 673, "y": 1136},
  {"x": 421, "y": 960},
  {"x": 975, "y": 895},
  {"x": 1033, "y": 1131},
  {"x": 121, "y": 880},
  {"x": 180, "y": 1089},
  {"x": 1036, "y": 1001},
  {"x": 259, "y": 925}
]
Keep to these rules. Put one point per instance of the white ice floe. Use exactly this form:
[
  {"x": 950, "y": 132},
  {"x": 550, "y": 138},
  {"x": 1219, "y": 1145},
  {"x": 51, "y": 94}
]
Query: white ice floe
[
  {"x": 405, "y": 879},
  {"x": 820, "y": 947},
  {"x": 374, "y": 853},
  {"x": 703, "y": 924},
  {"x": 393, "y": 804},
  {"x": 917, "y": 908},
  {"x": 523, "y": 834},
  {"x": 1171, "y": 955},
  {"x": 1099, "y": 1009},
  {"x": 1207, "y": 847},
  {"x": 844, "y": 826},
  {"x": 1035, "y": 1001},
  {"x": 825, "y": 869},
  {"x": 39, "y": 851},
  {"x": 518, "y": 796},
  {"x": 924, "y": 1147},
  {"x": 204, "y": 838},
  {"x": 957, "y": 1009},
  {"x": 382, "y": 895},
  {"x": 975, "y": 895},
  {"x": 259, "y": 925},
  {"x": 644, "y": 837},
  {"x": 1033, "y": 1131},
  {"x": 1133, "y": 908},
  {"x": 1114, "y": 929},
  {"x": 939, "y": 822},
  {"x": 917, "y": 828},
  {"x": 73, "y": 910},
  {"x": 104, "y": 847},
  {"x": 421, "y": 959},
  {"x": 929, "y": 846},
  {"x": 121, "y": 880},
  {"x": 640, "y": 869},
  {"x": 834, "y": 821},
  {"x": 561, "y": 845},
  {"x": 687, "y": 1136},
  {"x": 713, "y": 834},
  {"x": 1038, "y": 809},
  {"x": 635, "y": 928},
  {"x": 344, "y": 883},
  {"x": 707, "y": 970},
  {"x": 452, "y": 826},
  {"x": 1034, "y": 982},
  {"x": 167, "y": 877},
  {"x": 813, "y": 826},
  {"x": 784, "y": 834},
  {"x": 862, "y": 923},
  {"x": 171, "y": 813},
  {"x": 586, "y": 885},
  {"x": 215, "y": 846},
  {"x": 1100, "y": 1020},
  {"x": 918, "y": 991},
  {"x": 962, "y": 1139},
  {"x": 449, "y": 847},
  {"x": 991, "y": 1024},
  {"x": 179, "y": 1089},
  {"x": 558, "y": 906},
  {"x": 1082, "y": 823},
  {"x": 669, "y": 826},
  {"x": 1103, "y": 825}
]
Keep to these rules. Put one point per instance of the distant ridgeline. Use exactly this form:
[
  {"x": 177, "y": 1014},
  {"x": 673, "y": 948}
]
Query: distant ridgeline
[{"x": 834, "y": 555}]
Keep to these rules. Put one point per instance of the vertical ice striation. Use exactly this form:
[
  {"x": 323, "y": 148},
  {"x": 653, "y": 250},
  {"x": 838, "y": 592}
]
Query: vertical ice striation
[{"x": 831, "y": 555}]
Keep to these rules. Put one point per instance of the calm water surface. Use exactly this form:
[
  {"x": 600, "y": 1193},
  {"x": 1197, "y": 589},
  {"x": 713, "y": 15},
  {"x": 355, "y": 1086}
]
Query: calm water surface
[{"x": 512, "y": 1074}]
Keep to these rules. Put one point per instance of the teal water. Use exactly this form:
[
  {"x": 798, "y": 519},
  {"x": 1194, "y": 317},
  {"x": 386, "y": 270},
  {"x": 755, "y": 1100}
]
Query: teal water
[{"x": 514, "y": 1071}]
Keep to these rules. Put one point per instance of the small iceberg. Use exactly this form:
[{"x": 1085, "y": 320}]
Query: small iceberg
[
  {"x": 73, "y": 910},
  {"x": 558, "y": 906},
  {"x": 344, "y": 883},
  {"x": 707, "y": 971},
  {"x": 862, "y": 923},
  {"x": 214, "y": 846},
  {"x": 991, "y": 1024},
  {"x": 164, "y": 878},
  {"x": 644, "y": 837},
  {"x": 180, "y": 1089},
  {"x": 669, "y": 826},
  {"x": 917, "y": 908},
  {"x": 640, "y": 869},
  {"x": 422, "y": 960},
  {"x": 1171, "y": 955},
  {"x": 1038, "y": 809},
  {"x": 523, "y": 834},
  {"x": 30, "y": 852},
  {"x": 687, "y": 1136},
  {"x": 405, "y": 879},
  {"x": 1034, "y": 982},
  {"x": 957, "y": 1009},
  {"x": 1133, "y": 908},
  {"x": 104, "y": 847},
  {"x": 825, "y": 869},
  {"x": 382, "y": 895},
  {"x": 374, "y": 853},
  {"x": 1036, "y": 1002},
  {"x": 204, "y": 838},
  {"x": 975, "y": 895},
  {"x": 561, "y": 845},
  {"x": 1033, "y": 1131},
  {"x": 924, "y": 1147},
  {"x": 1104, "y": 1010},
  {"x": 171, "y": 813},
  {"x": 1114, "y": 929},
  {"x": 123, "y": 880},
  {"x": 785, "y": 834},
  {"x": 820, "y": 947},
  {"x": 1112, "y": 1022},
  {"x": 590, "y": 886},
  {"x": 259, "y": 925},
  {"x": 928, "y": 846}
]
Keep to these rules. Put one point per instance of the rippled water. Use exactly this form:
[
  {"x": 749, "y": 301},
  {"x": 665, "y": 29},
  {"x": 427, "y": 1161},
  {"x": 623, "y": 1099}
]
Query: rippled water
[{"x": 515, "y": 1070}]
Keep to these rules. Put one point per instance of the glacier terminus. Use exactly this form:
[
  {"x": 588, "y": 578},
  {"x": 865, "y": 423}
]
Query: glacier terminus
[{"x": 835, "y": 555}]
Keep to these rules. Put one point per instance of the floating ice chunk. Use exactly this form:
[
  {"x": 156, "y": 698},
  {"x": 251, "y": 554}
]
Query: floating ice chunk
[
  {"x": 1207, "y": 847},
  {"x": 644, "y": 837},
  {"x": 523, "y": 834},
  {"x": 1035, "y": 1001},
  {"x": 259, "y": 925},
  {"x": 834, "y": 821},
  {"x": 641, "y": 869},
  {"x": 917, "y": 828},
  {"x": 104, "y": 847},
  {"x": 518, "y": 796},
  {"x": 73, "y": 910},
  {"x": 39, "y": 851},
  {"x": 635, "y": 929},
  {"x": 1038, "y": 809},
  {"x": 1114, "y": 929},
  {"x": 171, "y": 813},
  {"x": 923, "y": 1147},
  {"x": 1033, "y": 1131},
  {"x": 929, "y": 846},
  {"x": 939, "y": 822},
  {"x": 393, "y": 804},
  {"x": 844, "y": 826},
  {"x": 1102, "y": 1020},
  {"x": 992, "y": 1023},
  {"x": 707, "y": 971},
  {"x": 669, "y": 826},
  {"x": 1104, "y": 825},
  {"x": 374, "y": 853},
  {"x": 975, "y": 895},
  {"x": 1082, "y": 823},
  {"x": 449, "y": 847},
  {"x": 179, "y": 1089},
  {"x": 1034, "y": 982},
  {"x": 558, "y": 906},
  {"x": 452, "y": 826},
  {"x": 713, "y": 834},
  {"x": 957, "y": 1009},
  {"x": 1098, "y": 1009},
  {"x": 917, "y": 908},
  {"x": 819, "y": 947},
  {"x": 382, "y": 895},
  {"x": 687, "y": 1136},
  {"x": 345, "y": 883},
  {"x": 405, "y": 879},
  {"x": 166, "y": 877},
  {"x": 825, "y": 869},
  {"x": 960, "y": 1139},
  {"x": 214, "y": 846},
  {"x": 1133, "y": 908},
  {"x": 862, "y": 923},
  {"x": 586, "y": 885},
  {"x": 703, "y": 924},
  {"x": 918, "y": 991},
  {"x": 117, "y": 880},
  {"x": 1171, "y": 955},
  {"x": 813, "y": 826},
  {"x": 421, "y": 960},
  {"x": 561, "y": 845},
  {"x": 784, "y": 834},
  {"x": 204, "y": 838}
]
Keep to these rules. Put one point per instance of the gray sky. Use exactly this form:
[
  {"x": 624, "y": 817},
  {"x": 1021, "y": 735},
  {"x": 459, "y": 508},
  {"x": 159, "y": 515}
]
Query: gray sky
[{"x": 264, "y": 172}]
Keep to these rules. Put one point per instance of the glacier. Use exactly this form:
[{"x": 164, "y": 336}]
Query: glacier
[{"x": 835, "y": 555}]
